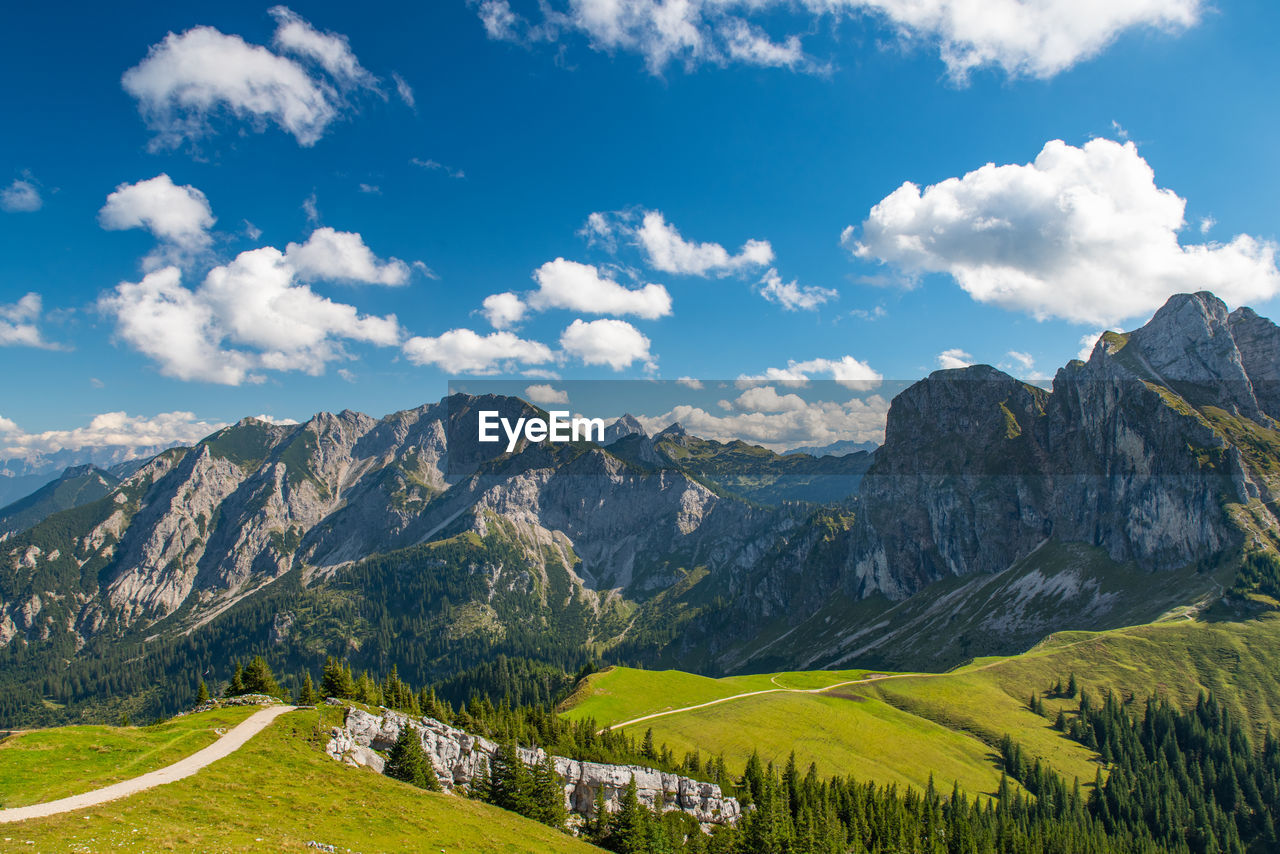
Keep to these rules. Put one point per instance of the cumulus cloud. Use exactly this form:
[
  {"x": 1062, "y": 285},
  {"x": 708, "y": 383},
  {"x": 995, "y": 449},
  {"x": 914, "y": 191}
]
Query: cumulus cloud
[
  {"x": 615, "y": 343},
  {"x": 463, "y": 351},
  {"x": 954, "y": 358},
  {"x": 342, "y": 256},
  {"x": 669, "y": 252},
  {"x": 179, "y": 217},
  {"x": 21, "y": 197},
  {"x": 503, "y": 310},
  {"x": 1083, "y": 234},
  {"x": 1022, "y": 38},
  {"x": 331, "y": 51},
  {"x": 583, "y": 287},
  {"x": 781, "y": 421},
  {"x": 246, "y": 317},
  {"x": 188, "y": 79},
  {"x": 847, "y": 371},
  {"x": 690, "y": 382},
  {"x": 545, "y": 394},
  {"x": 20, "y": 323},
  {"x": 792, "y": 295},
  {"x": 108, "y": 430}
]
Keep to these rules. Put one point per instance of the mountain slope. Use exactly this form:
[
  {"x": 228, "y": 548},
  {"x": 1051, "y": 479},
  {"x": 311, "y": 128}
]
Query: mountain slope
[
  {"x": 994, "y": 513},
  {"x": 74, "y": 487}
]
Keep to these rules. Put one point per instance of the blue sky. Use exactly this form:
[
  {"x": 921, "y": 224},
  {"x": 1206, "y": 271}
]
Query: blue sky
[{"x": 781, "y": 133}]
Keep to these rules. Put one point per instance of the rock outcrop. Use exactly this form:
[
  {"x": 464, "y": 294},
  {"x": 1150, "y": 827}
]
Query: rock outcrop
[{"x": 459, "y": 757}]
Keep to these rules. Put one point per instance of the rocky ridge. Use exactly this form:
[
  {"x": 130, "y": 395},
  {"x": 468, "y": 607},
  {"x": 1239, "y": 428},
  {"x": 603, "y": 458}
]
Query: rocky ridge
[{"x": 459, "y": 757}]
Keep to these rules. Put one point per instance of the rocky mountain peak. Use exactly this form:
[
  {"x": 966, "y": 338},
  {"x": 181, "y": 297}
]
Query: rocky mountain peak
[
  {"x": 1190, "y": 345},
  {"x": 627, "y": 425}
]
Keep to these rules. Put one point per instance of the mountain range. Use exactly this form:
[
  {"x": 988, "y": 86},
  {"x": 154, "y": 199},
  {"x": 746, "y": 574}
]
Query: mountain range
[{"x": 995, "y": 512}]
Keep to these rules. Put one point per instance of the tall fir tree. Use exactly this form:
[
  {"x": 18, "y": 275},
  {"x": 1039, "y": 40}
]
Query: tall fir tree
[{"x": 410, "y": 763}]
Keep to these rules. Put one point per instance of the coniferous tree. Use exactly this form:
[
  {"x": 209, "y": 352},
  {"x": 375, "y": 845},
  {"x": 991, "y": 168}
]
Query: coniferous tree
[
  {"x": 630, "y": 824},
  {"x": 307, "y": 692},
  {"x": 337, "y": 681},
  {"x": 258, "y": 678},
  {"x": 547, "y": 794},
  {"x": 236, "y": 686},
  {"x": 410, "y": 763},
  {"x": 202, "y": 694}
]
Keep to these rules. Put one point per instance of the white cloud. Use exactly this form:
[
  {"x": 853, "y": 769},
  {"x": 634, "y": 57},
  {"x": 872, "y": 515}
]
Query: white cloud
[
  {"x": 792, "y": 295},
  {"x": 503, "y": 310},
  {"x": 615, "y": 343},
  {"x": 782, "y": 426},
  {"x": 869, "y": 314},
  {"x": 248, "y": 316},
  {"x": 179, "y": 217},
  {"x": 20, "y": 197},
  {"x": 847, "y": 371},
  {"x": 1080, "y": 233},
  {"x": 1206, "y": 224},
  {"x": 954, "y": 358},
  {"x": 311, "y": 208},
  {"x": 1025, "y": 361},
  {"x": 462, "y": 351},
  {"x": 545, "y": 394},
  {"x": 108, "y": 430},
  {"x": 583, "y": 287},
  {"x": 369, "y": 189},
  {"x": 437, "y": 166},
  {"x": 20, "y": 323},
  {"x": 342, "y": 256},
  {"x": 404, "y": 90},
  {"x": 190, "y": 78},
  {"x": 767, "y": 399},
  {"x": 331, "y": 51},
  {"x": 1037, "y": 39},
  {"x": 1087, "y": 342},
  {"x": 669, "y": 252},
  {"x": 690, "y": 382}
]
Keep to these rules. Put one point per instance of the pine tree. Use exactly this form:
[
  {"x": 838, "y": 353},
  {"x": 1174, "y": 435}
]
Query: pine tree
[
  {"x": 307, "y": 693},
  {"x": 258, "y": 678},
  {"x": 548, "y": 794},
  {"x": 509, "y": 779},
  {"x": 410, "y": 763},
  {"x": 630, "y": 824},
  {"x": 337, "y": 681},
  {"x": 236, "y": 686},
  {"x": 202, "y": 694},
  {"x": 601, "y": 822}
]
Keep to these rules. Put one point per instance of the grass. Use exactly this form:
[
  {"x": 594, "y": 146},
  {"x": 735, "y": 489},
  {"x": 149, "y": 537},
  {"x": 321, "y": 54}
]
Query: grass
[
  {"x": 281, "y": 791},
  {"x": 904, "y": 728},
  {"x": 44, "y": 765}
]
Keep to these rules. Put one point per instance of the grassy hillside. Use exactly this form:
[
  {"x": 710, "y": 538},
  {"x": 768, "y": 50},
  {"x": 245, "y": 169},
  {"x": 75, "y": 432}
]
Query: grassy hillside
[
  {"x": 281, "y": 791},
  {"x": 904, "y": 727},
  {"x": 47, "y": 764}
]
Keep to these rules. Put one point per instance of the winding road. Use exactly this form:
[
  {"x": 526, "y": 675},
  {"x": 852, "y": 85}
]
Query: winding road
[
  {"x": 236, "y": 738},
  {"x": 875, "y": 677}
]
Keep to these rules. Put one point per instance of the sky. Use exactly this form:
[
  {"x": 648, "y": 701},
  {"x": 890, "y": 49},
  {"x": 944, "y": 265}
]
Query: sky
[{"x": 255, "y": 210}]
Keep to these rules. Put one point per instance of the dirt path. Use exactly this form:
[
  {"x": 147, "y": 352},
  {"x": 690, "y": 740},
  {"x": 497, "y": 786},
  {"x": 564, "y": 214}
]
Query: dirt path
[
  {"x": 225, "y": 746},
  {"x": 875, "y": 677}
]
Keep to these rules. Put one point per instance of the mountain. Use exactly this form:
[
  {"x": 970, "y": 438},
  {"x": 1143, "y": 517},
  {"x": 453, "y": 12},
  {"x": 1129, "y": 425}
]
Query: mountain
[
  {"x": 835, "y": 449},
  {"x": 22, "y": 475},
  {"x": 76, "y": 486},
  {"x": 994, "y": 513}
]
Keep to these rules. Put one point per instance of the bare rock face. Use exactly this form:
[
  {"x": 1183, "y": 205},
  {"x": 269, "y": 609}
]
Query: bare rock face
[{"x": 459, "y": 758}]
